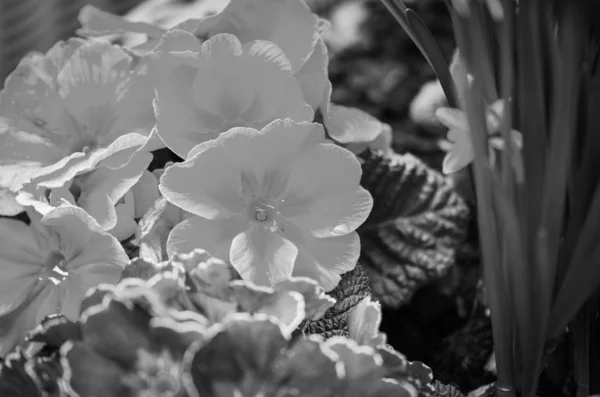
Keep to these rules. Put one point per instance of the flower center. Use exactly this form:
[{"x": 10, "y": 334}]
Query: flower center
[
  {"x": 264, "y": 212},
  {"x": 55, "y": 268}
]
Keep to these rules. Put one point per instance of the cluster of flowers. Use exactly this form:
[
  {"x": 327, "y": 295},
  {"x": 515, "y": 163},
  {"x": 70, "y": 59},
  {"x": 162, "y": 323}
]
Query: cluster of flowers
[
  {"x": 269, "y": 181},
  {"x": 186, "y": 327}
]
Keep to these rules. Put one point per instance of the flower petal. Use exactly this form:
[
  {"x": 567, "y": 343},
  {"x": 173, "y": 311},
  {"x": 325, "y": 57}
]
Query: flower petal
[
  {"x": 96, "y": 23},
  {"x": 457, "y": 158},
  {"x": 15, "y": 326},
  {"x": 262, "y": 257},
  {"x": 351, "y": 125},
  {"x": 145, "y": 193},
  {"x": 339, "y": 174},
  {"x": 452, "y": 118},
  {"x": 213, "y": 235},
  {"x": 313, "y": 77},
  {"x": 8, "y": 203},
  {"x": 208, "y": 184},
  {"x": 105, "y": 187},
  {"x": 331, "y": 215},
  {"x": 264, "y": 156},
  {"x": 84, "y": 241},
  {"x": 88, "y": 84},
  {"x": 19, "y": 244},
  {"x": 288, "y": 23},
  {"x": 324, "y": 259}
]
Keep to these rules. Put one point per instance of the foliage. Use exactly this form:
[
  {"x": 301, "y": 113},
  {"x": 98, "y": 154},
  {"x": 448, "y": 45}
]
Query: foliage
[{"x": 188, "y": 329}]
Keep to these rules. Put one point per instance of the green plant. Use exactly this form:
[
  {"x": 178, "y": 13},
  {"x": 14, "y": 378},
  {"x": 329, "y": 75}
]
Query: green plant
[{"x": 539, "y": 206}]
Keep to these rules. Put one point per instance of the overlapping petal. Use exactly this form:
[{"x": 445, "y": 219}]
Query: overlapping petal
[
  {"x": 288, "y": 23},
  {"x": 213, "y": 235},
  {"x": 79, "y": 97},
  {"x": 204, "y": 90},
  {"x": 262, "y": 256},
  {"x": 49, "y": 266}
]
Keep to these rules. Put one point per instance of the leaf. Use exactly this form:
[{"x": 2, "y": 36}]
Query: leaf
[
  {"x": 433, "y": 54},
  {"x": 417, "y": 225},
  {"x": 353, "y": 287}
]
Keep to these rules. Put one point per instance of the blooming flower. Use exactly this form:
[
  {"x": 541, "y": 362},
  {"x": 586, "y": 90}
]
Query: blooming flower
[
  {"x": 276, "y": 203},
  {"x": 47, "y": 268},
  {"x": 114, "y": 198},
  {"x": 461, "y": 153},
  {"x": 291, "y": 26},
  {"x": 204, "y": 89},
  {"x": 80, "y": 104}
]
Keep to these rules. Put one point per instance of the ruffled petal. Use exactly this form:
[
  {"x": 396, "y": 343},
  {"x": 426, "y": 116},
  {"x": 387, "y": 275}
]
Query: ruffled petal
[
  {"x": 262, "y": 257},
  {"x": 288, "y": 23},
  {"x": 213, "y": 235},
  {"x": 209, "y": 184}
]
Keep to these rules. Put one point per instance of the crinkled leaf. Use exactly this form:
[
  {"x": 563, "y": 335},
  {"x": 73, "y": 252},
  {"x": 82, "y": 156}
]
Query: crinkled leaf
[
  {"x": 417, "y": 224},
  {"x": 353, "y": 287}
]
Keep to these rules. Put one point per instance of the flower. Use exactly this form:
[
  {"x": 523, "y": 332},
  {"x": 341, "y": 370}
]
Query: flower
[
  {"x": 278, "y": 202},
  {"x": 47, "y": 267},
  {"x": 113, "y": 197},
  {"x": 79, "y": 104},
  {"x": 204, "y": 89},
  {"x": 461, "y": 154},
  {"x": 364, "y": 321},
  {"x": 290, "y": 25}
]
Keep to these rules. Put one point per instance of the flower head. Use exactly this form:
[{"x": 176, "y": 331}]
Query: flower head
[
  {"x": 72, "y": 106},
  {"x": 108, "y": 195},
  {"x": 461, "y": 153},
  {"x": 278, "y": 202},
  {"x": 205, "y": 89},
  {"x": 48, "y": 267}
]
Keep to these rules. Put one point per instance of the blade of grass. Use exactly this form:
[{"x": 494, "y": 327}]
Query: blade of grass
[
  {"x": 580, "y": 330},
  {"x": 499, "y": 302},
  {"x": 436, "y": 59},
  {"x": 583, "y": 274}
]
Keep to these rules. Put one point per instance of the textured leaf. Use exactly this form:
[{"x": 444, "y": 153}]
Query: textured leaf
[
  {"x": 353, "y": 287},
  {"x": 417, "y": 224}
]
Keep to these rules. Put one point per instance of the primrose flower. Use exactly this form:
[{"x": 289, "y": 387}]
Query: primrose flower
[
  {"x": 80, "y": 104},
  {"x": 276, "y": 203},
  {"x": 204, "y": 89},
  {"x": 462, "y": 153},
  {"x": 46, "y": 268},
  {"x": 113, "y": 197}
]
